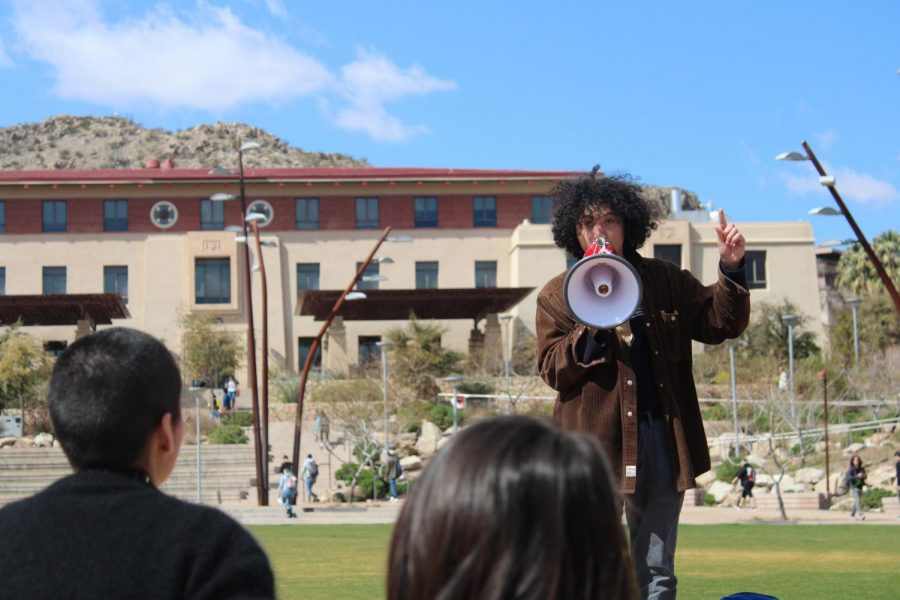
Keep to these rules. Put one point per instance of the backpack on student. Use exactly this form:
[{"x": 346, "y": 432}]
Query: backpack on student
[
  {"x": 751, "y": 474},
  {"x": 291, "y": 482},
  {"x": 313, "y": 469},
  {"x": 399, "y": 471}
]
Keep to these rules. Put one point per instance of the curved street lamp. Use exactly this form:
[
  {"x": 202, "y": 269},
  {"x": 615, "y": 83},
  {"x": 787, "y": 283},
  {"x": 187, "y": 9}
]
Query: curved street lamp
[{"x": 828, "y": 181}]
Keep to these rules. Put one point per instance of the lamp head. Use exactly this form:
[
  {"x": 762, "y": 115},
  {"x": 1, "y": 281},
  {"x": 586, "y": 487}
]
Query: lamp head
[
  {"x": 249, "y": 146},
  {"x": 793, "y": 156},
  {"x": 255, "y": 217},
  {"x": 355, "y": 296},
  {"x": 222, "y": 197}
]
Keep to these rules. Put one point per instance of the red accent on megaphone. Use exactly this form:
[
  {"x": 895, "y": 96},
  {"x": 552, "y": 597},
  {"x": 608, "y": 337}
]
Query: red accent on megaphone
[{"x": 601, "y": 246}]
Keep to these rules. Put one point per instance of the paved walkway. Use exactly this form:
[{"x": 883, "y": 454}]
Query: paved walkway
[{"x": 386, "y": 513}]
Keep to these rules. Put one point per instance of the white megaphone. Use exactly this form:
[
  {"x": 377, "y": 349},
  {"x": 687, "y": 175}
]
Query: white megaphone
[{"x": 602, "y": 290}]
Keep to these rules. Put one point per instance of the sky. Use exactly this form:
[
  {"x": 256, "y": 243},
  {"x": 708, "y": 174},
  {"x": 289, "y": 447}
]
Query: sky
[{"x": 701, "y": 95}]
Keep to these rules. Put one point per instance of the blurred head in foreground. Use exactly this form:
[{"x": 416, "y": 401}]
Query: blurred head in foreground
[{"x": 513, "y": 507}]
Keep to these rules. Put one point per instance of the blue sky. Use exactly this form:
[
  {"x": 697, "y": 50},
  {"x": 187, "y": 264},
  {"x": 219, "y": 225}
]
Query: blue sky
[{"x": 700, "y": 95}]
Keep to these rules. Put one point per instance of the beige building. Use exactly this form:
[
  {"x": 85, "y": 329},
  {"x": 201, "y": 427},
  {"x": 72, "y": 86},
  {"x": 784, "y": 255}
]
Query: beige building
[{"x": 155, "y": 236}]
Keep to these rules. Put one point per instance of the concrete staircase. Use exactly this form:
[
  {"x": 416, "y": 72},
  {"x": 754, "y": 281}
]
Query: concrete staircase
[{"x": 227, "y": 473}]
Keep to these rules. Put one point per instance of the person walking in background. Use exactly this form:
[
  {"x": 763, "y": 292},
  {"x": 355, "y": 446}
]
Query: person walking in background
[
  {"x": 309, "y": 473},
  {"x": 747, "y": 477},
  {"x": 107, "y": 531},
  {"x": 512, "y": 507},
  {"x": 392, "y": 470},
  {"x": 230, "y": 394},
  {"x": 632, "y": 387},
  {"x": 855, "y": 480},
  {"x": 287, "y": 491}
]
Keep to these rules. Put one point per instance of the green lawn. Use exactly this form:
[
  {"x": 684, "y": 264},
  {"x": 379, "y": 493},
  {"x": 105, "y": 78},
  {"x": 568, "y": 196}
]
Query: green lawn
[{"x": 787, "y": 561}]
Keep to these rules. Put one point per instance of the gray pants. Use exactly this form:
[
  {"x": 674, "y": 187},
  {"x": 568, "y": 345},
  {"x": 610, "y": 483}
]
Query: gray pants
[
  {"x": 857, "y": 501},
  {"x": 652, "y": 514}
]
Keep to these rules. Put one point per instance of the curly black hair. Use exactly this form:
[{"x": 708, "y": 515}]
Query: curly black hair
[{"x": 620, "y": 193}]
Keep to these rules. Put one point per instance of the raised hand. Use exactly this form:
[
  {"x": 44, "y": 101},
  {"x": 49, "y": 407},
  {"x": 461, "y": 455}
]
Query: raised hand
[{"x": 731, "y": 242}]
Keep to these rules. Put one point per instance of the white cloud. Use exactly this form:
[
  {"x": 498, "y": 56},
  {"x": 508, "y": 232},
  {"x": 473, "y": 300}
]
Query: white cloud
[
  {"x": 826, "y": 139},
  {"x": 852, "y": 185},
  {"x": 208, "y": 60},
  {"x": 373, "y": 80},
  {"x": 277, "y": 8}
]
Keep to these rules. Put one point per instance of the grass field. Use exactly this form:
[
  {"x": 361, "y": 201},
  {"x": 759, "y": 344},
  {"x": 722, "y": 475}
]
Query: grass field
[{"x": 787, "y": 561}]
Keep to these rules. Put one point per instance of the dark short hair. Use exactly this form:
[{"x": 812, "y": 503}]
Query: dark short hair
[
  {"x": 108, "y": 392},
  {"x": 619, "y": 193},
  {"x": 512, "y": 507}
]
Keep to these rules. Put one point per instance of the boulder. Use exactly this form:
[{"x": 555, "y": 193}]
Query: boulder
[
  {"x": 882, "y": 476},
  {"x": 706, "y": 479},
  {"x": 24, "y": 442},
  {"x": 43, "y": 440},
  {"x": 405, "y": 439},
  {"x": 443, "y": 442},
  {"x": 428, "y": 439},
  {"x": 852, "y": 449},
  {"x": 719, "y": 490},
  {"x": 7, "y": 441},
  {"x": 878, "y": 438},
  {"x": 808, "y": 475},
  {"x": 411, "y": 463}
]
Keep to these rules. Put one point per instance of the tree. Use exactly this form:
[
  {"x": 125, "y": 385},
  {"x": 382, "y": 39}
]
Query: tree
[
  {"x": 767, "y": 334},
  {"x": 878, "y": 328},
  {"x": 856, "y": 274},
  {"x": 210, "y": 351},
  {"x": 24, "y": 371},
  {"x": 417, "y": 357}
]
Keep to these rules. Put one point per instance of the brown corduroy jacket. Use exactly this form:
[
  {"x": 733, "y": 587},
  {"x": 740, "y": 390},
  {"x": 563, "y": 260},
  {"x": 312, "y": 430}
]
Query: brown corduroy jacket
[{"x": 600, "y": 397}]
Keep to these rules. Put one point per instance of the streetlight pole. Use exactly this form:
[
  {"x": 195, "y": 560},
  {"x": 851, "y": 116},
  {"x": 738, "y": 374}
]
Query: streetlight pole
[
  {"x": 304, "y": 375},
  {"x": 262, "y": 493},
  {"x": 789, "y": 321},
  {"x": 828, "y": 181},
  {"x": 854, "y": 306},
  {"x": 505, "y": 319},
  {"x": 384, "y": 392},
  {"x": 823, "y": 375},
  {"x": 254, "y": 219},
  {"x": 734, "y": 405}
]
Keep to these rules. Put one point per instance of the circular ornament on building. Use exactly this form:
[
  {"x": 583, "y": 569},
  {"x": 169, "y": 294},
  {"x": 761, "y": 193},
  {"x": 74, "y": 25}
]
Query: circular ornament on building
[
  {"x": 164, "y": 214},
  {"x": 264, "y": 208}
]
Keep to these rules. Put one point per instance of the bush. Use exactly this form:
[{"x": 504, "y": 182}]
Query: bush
[
  {"x": 442, "y": 415},
  {"x": 729, "y": 469},
  {"x": 872, "y": 497},
  {"x": 228, "y": 434},
  {"x": 475, "y": 387},
  {"x": 241, "y": 419},
  {"x": 709, "y": 500},
  {"x": 365, "y": 481}
]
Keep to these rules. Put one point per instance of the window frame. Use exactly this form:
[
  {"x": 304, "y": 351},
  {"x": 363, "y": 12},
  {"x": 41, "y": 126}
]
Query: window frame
[
  {"x": 484, "y": 215},
  {"x": 423, "y": 268},
  {"x": 540, "y": 204},
  {"x": 54, "y": 225},
  {"x": 427, "y": 215},
  {"x": 117, "y": 222},
  {"x": 224, "y": 265},
  {"x": 169, "y": 205},
  {"x": 215, "y": 208},
  {"x": 2, "y": 216},
  {"x": 366, "y": 203},
  {"x": 664, "y": 248},
  {"x": 301, "y": 276},
  {"x": 752, "y": 260},
  {"x": 372, "y": 269},
  {"x": 2, "y": 281},
  {"x": 120, "y": 271},
  {"x": 308, "y": 223},
  {"x": 303, "y": 352},
  {"x": 55, "y": 274},
  {"x": 483, "y": 267}
]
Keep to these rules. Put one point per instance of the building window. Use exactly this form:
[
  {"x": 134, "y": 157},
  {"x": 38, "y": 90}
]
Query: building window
[
  {"x": 263, "y": 208},
  {"x": 2, "y": 217},
  {"x": 541, "y": 209},
  {"x": 485, "y": 273},
  {"x": 369, "y": 351},
  {"x": 307, "y": 213},
  {"x": 54, "y": 280},
  {"x": 303, "y": 346},
  {"x": 755, "y": 262},
  {"x": 426, "y": 275},
  {"x": 426, "y": 214},
  {"x": 164, "y": 214},
  {"x": 55, "y": 347},
  {"x": 212, "y": 215},
  {"x": 307, "y": 276},
  {"x": 370, "y": 272},
  {"x": 669, "y": 252},
  {"x": 115, "y": 215},
  {"x": 212, "y": 281},
  {"x": 484, "y": 211},
  {"x": 366, "y": 213},
  {"x": 54, "y": 216},
  {"x": 115, "y": 281},
  {"x": 2, "y": 281}
]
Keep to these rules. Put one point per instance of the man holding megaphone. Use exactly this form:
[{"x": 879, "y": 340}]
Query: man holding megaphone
[{"x": 614, "y": 340}]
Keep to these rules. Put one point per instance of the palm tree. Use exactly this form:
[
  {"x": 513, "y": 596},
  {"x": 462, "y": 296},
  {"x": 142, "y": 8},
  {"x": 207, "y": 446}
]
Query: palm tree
[{"x": 858, "y": 277}]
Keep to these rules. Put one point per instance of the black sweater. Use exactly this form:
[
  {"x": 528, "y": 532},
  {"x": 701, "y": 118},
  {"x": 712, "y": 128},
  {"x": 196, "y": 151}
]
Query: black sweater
[{"x": 98, "y": 534}]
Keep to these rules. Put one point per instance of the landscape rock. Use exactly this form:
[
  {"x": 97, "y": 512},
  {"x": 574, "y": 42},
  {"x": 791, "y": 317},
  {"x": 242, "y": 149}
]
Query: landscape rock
[
  {"x": 24, "y": 442},
  {"x": 706, "y": 479},
  {"x": 443, "y": 442},
  {"x": 43, "y": 440},
  {"x": 809, "y": 475},
  {"x": 852, "y": 449},
  {"x": 7, "y": 441},
  {"x": 429, "y": 436},
  {"x": 719, "y": 490},
  {"x": 411, "y": 463}
]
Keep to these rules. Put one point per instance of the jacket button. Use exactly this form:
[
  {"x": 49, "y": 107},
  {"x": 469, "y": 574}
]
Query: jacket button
[
  {"x": 660, "y": 385},
  {"x": 656, "y": 352},
  {"x": 648, "y": 324},
  {"x": 629, "y": 413},
  {"x": 629, "y": 382}
]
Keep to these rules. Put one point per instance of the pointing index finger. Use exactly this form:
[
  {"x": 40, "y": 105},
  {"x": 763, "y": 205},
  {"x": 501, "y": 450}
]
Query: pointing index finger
[{"x": 722, "y": 222}]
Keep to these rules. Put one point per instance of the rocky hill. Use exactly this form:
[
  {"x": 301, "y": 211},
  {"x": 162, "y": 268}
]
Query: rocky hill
[{"x": 67, "y": 142}]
